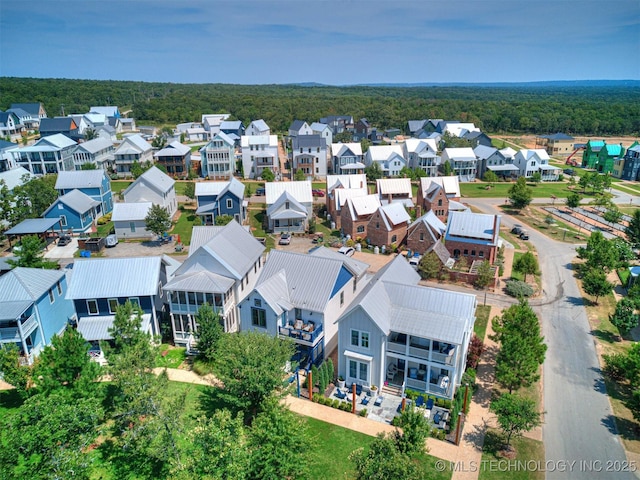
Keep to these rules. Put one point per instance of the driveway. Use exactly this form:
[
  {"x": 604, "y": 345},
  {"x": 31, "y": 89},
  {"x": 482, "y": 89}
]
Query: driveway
[
  {"x": 578, "y": 421},
  {"x": 141, "y": 249},
  {"x": 66, "y": 252}
]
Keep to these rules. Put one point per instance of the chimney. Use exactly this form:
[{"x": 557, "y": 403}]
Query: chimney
[
  {"x": 496, "y": 234},
  {"x": 418, "y": 211}
]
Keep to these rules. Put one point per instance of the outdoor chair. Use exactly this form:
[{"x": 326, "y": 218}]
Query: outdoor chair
[
  {"x": 365, "y": 400},
  {"x": 430, "y": 404},
  {"x": 340, "y": 394},
  {"x": 378, "y": 401},
  {"x": 358, "y": 389},
  {"x": 437, "y": 418},
  {"x": 420, "y": 401}
]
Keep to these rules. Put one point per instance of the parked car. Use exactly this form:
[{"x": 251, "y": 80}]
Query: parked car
[
  {"x": 64, "y": 240},
  {"x": 348, "y": 251},
  {"x": 260, "y": 191},
  {"x": 415, "y": 261},
  {"x": 568, "y": 171},
  {"x": 285, "y": 239},
  {"x": 516, "y": 229},
  {"x": 524, "y": 235},
  {"x": 316, "y": 192}
]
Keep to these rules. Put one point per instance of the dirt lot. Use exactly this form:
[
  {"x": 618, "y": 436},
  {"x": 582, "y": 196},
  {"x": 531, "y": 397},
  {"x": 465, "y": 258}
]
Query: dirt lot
[{"x": 529, "y": 141}]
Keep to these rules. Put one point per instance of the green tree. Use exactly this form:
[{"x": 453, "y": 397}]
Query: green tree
[
  {"x": 599, "y": 253},
  {"x": 519, "y": 194},
  {"x": 522, "y": 348},
  {"x": 585, "y": 181},
  {"x": 536, "y": 177},
  {"x": 209, "y": 331},
  {"x": 217, "y": 447},
  {"x": 136, "y": 169},
  {"x": 624, "y": 317},
  {"x": 633, "y": 230},
  {"x": 406, "y": 172},
  {"x": 373, "y": 171},
  {"x": 279, "y": 444},
  {"x": 415, "y": 431},
  {"x": 190, "y": 190},
  {"x": 251, "y": 367},
  {"x": 490, "y": 177},
  {"x": 6, "y": 203},
  {"x": 595, "y": 283},
  {"x": 31, "y": 255},
  {"x": 527, "y": 264},
  {"x": 159, "y": 142},
  {"x": 384, "y": 461},
  {"x": 90, "y": 134},
  {"x": 299, "y": 175},
  {"x": 222, "y": 220},
  {"x": 343, "y": 137},
  {"x": 515, "y": 415},
  {"x": 10, "y": 369},
  {"x": 34, "y": 197},
  {"x": 88, "y": 166},
  {"x": 365, "y": 143},
  {"x": 158, "y": 220},
  {"x": 66, "y": 364},
  {"x": 447, "y": 170},
  {"x": 429, "y": 266},
  {"x": 573, "y": 200},
  {"x": 612, "y": 215},
  {"x": 485, "y": 275},
  {"x": 267, "y": 175}
]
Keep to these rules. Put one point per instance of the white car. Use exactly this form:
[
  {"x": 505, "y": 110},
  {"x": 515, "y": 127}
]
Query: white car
[{"x": 348, "y": 251}]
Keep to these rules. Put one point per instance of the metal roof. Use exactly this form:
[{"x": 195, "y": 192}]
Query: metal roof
[
  {"x": 394, "y": 186},
  {"x": 301, "y": 191},
  {"x": 155, "y": 178},
  {"x": 451, "y": 184},
  {"x": 259, "y": 125},
  {"x": 27, "y": 284},
  {"x": 360, "y": 206},
  {"x": 342, "y": 194},
  {"x": 356, "y": 267},
  {"x": 58, "y": 141},
  {"x": 295, "y": 209},
  {"x": 173, "y": 149},
  {"x": 13, "y": 178},
  {"x": 76, "y": 201},
  {"x": 220, "y": 188},
  {"x": 136, "y": 141},
  {"x": 461, "y": 154},
  {"x": 395, "y": 213},
  {"x": 12, "y": 310},
  {"x": 358, "y": 180},
  {"x": 275, "y": 292},
  {"x": 94, "y": 145},
  {"x": 200, "y": 281},
  {"x": 33, "y": 226},
  {"x": 473, "y": 225},
  {"x": 503, "y": 168},
  {"x": 433, "y": 224},
  {"x": 308, "y": 141},
  {"x": 340, "y": 149},
  {"x": 247, "y": 140},
  {"x": 128, "y": 212},
  {"x": 97, "y": 328},
  {"x": 484, "y": 152},
  {"x": 115, "y": 277},
  {"x": 382, "y": 153}
]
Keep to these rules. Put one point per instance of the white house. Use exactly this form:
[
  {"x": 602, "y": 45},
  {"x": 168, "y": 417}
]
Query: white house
[
  {"x": 323, "y": 130},
  {"x": 389, "y": 157},
  {"x": 530, "y": 161},
  {"x": 401, "y": 334},
  {"x": 99, "y": 151},
  {"x": 299, "y": 127},
  {"x": 463, "y": 162},
  {"x": 221, "y": 273},
  {"x": 422, "y": 154},
  {"x": 259, "y": 152},
  {"x": 129, "y": 220},
  {"x": 289, "y": 205},
  {"x": 50, "y": 154},
  {"x": 258, "y": 127},
  {"x": 218, "y": 158},
  {"x": 309, "y": 154},
  {"x": 153, "y": 186},
  {"x": 301, "y": 296},
  {"x": 133, "y": 148}
]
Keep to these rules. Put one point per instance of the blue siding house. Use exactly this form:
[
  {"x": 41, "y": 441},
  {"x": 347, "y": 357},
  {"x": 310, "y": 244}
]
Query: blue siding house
[
  {"x": 33, "y": 309},
  {"x": 93, "y": 183},
  {"x": 221, "y": 198},
  {"x": 98, "y": 286},
  {"x": 75, "y": 210}
]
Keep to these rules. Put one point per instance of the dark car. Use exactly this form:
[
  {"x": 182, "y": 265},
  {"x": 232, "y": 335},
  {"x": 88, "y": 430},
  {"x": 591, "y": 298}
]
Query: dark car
[
  {"x": 316, "y": 192},
  {"x": 517, "y": 229},
  {"x": 285, "y": 239},
  {"x": 524, "y": 235},
  {"x": 568, "y": 171},
  {"x": 260, "y": 191},
  {"x": 64, "y": 240}
]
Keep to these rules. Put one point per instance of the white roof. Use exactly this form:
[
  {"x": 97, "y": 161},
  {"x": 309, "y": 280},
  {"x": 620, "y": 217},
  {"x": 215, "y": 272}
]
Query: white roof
[
  {"x": 12, "y": 178},
  {"x": 97, "y": 328},
  {"x": 259, "y": 125},
  {"x": 342, "y": 194},
  {"x": 319, "y": 127},
  {"x": 173, "y": 148},
  {"x": 58, "y": 140},
  {"x": 76, "y": 201},
  {"x": 432, "y": 221},
  {"x": 80, "y": 179},
  {"x": 450, "y": 184},
  {"x": 338, "y": 149},
  {"x": 394, "y": 186},
  {"x": 218, "y": 188},
  {"x": 358, "y": 180},
  {"x": 395, "y": 213},
  {"x": 301, "y": 191},
  {"x": 135, "y": 140},
  {"x": 247, "y": 140},
  {"x": 473, "y": 225},
  {"x": 529, "y": 153},
  {"x": 382, "y": 153},
  {"x": 459, "y": 129},
  {"x": 114, "y": 277},
  {"x": 416, "y": 145},
  {"x": 508, "y": 152},
  {"x": 463, "y": 153},
  {"x": 155, "y": 178},
  {"x": 95, "y": 145},
  {"x": 109, "y": 111},
  {"x": 363, "y": 205},
  {"x": 129, "y": 212}
]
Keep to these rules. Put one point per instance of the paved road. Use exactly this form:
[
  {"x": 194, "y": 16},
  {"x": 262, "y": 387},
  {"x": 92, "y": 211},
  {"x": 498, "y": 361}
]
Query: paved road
[{"x": 579, "y": 421}]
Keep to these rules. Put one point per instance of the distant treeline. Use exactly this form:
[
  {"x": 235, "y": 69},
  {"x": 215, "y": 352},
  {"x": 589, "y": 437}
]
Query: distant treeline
[{"x": 592, "y": 111}]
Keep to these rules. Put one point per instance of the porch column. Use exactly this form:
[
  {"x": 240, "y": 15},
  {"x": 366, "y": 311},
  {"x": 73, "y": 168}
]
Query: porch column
[
  {"x": 173, "y": 326},
  {"x": 25, "y": 347}
]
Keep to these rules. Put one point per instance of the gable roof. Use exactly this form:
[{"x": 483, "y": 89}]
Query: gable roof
[
  {"x": 319, "y": 127},
  {"x": 343, "y": 194},
  {"x": 21, "y": 286},
  {"x": 12, "y": 178},
  {"x": 231, "y": 125},
  {"x": 57, "y": 124},
  {"x": 484, "y": 152},
  {"x": 356, "y": 267},
  {"x": 434, "y": 225},
  {"x": 382, "y": 153},
  {"x": 394, "y": 214},
  {"x": 109, "y": 110},
  {"x": 301, "y": 191},
  {"x": 450, "y": 183},
  {"x": 294, "y": 209},
  {"x": 459, "y": 153},
  {"x": 80, "y": 179},
  {"x": 340, "y": 149},
  {"x": 557, "y": 136},
  {"x": 358, "y": 180},
  {"x": 394, "y": 186},
  {"x": 363, "y": 205},
  {"x": 308, "y": 141},
  {"x": 129, "y": 212},
  {"x": 477, "y": 226},
  {"x": 95, "y": 145},
  {"x": 297, "y": 125},
  {"x": 155, "y": 178},
  {"x": 57, "y": 140},
  {"x": 136, "y": 141},
  {"x": 220, "y": 188},
  {"x": 32, "y": 108},
  {"x": 259, "y": 125},
  {"x": 76, "y": 201},
  {"x": 415, "y": 125},
  {"x": 114, "y": 277},
  {"x": 275, "y": 291},
  {"x": 173, "y": 149}
]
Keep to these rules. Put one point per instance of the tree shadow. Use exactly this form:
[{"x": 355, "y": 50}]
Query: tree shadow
[
  {"x": 10, "y": 399},
  {"x": 477, "y": 436},
  {"x": 131, "y": 462},
  {"x": 213, "y": 399},
  {"x": 575, "y": 301},
  {"x": 605, "y": 335},
  {"x": 493, "y": 442}
]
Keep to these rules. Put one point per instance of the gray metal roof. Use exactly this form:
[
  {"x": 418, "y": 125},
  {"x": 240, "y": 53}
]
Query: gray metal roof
[
  {"x": 173, "y": 149},
  {"x": 484, "y": 152},
  {"x": 307, "y": 141},
  {"x": 296, "y": 210},
  {"x": 95, "y": 145},
  {"x": 27, "y": 284},
  {"x": 127, "y": 212},
  {"x": 300, "y": 190},
  {"x": 260, "y": 125},
  {"x": 12, "y": 178},
  {"x": 200, "y": 281},
  {"x": 32, "y": 226},
  {"x": 155, "y": 178},
  {"x": 13, "y": 310},
  {"x": 97, "y": 328},
  {"x": 136, "y": 141},
  {"x": 275, "y": 292},
  {"x": 356, "y": 267},
  {"x": 115, "y": 277},
  {"x": 473, "y": 225},
  {"x": 76, "y": 201}
]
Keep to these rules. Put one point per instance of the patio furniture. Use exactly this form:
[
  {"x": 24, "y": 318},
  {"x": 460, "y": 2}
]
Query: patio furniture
[
  {"x": 340, "y": 394},
  {"x": 420, "y": 401},
  {"x": 365, "y": 400},
  {"x": 430, "y": 404},
  {"x": 358, "y": 389},
  {"x": 437, "y": 418},
  {"x": 378, "y": 401},
  {"x": 298, "y": 325}
]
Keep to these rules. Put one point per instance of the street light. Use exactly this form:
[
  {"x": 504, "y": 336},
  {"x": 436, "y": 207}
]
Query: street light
[{"x": 458, "y": 428}]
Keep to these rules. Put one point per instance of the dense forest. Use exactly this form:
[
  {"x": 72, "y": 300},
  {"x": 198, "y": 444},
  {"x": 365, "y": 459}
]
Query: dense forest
[{"x": 592, "y": 110}]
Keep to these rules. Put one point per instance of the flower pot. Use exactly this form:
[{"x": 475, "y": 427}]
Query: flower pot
[{"x": 341, "y": 383}]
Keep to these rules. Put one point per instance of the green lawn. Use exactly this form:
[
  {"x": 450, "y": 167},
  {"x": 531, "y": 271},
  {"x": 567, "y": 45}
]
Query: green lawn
[
  {"x": 106, "y": 229},
  {"x": 173, "y": 357},
  {"x": 184, "y": 225},
  {"x": 494, "y": 467},
  {"x": 500, "y": 189},
  {"x": 118, "y": 185},
  {"x": 482, "y": 319}
]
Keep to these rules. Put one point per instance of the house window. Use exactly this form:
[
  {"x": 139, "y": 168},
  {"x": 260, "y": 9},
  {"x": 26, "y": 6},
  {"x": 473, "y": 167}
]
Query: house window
[
  {"x": 341, "y": 298},
  {"x": 92, "y": 307},
  {"x": 359, "y": 339},
  {"x": 229, "y": 203},
  {"x": 473, "y": 253},
  {"x": 466, "y": 252},
  {"x": 377, "y": 224},
  {"x": 359, "y": 370},
  {"x": 298, "y": 314},
  {"x": 440, "y": 202},
  {"x": 63, "y": 220},
  {"x": 422, "y": 236},
  {"x": 481, "y": 254},
  {"x": 394, "y": 238},
  {"x": 360, "y": 229},
  {"x": 132, "y": 226},
  {"x": 135, "y": 301},
  {"x": 257, "y": 302},
  {"x": 59, "y": 287},
  {"x": 113, "y": 305},
  {"x": 258, "y": 317},
  {"x": 52, "y": 298}
]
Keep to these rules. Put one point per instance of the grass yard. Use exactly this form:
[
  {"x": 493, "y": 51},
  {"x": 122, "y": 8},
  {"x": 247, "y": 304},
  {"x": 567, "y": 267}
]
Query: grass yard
[
  {"x": 106, "y": 229},
  {"x": 534, "y": 217},
  {"x": 494, "y": 467},
  {"x": 501, "y": 189},
  {"x": 183, "y": 226},
  {"x": 482, "y": 319},
  {"x": 173, "y": 357},
  {"x": 256, "y": 214},
  {"x": 118, "y": 186}
]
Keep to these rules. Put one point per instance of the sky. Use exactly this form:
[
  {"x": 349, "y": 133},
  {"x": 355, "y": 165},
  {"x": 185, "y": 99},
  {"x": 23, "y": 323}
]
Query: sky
[{"x": 335, "y": 42}]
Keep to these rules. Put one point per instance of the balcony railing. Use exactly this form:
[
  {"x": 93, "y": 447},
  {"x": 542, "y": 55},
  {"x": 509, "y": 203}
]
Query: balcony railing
[
  {"x": 306, "y": 333},
  {"x": 29, "y": 325},
  {"x": 9, "y": 335}
]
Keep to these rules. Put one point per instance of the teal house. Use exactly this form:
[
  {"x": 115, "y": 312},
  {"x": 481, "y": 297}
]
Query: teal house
[{"x": 76, "y": 211}]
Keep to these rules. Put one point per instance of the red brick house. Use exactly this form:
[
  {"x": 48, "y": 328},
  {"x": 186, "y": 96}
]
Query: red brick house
[
  {"x": 435, "y": 200},
  {"x": 341, "y": 187},
  {"x": 425, "y": 232},
  {"x": 473, "y": 235},
  {"x": 388, "y": 225},
  {"x": 356, "y": 213}
]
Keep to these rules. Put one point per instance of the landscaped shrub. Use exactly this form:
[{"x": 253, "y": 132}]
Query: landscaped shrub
[
  {"x": 476, "y": 347},
  {"x": 345, "y": 406},
  {"x": 518, "y": 289},
  {"x": 363, "y": 412},
  {"x": 330, "y": 369},
  {"x": 615, "y": 366}
]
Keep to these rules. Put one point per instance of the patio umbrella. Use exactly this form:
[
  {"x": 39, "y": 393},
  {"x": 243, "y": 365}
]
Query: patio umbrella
[{"x": 178, "y": 239}]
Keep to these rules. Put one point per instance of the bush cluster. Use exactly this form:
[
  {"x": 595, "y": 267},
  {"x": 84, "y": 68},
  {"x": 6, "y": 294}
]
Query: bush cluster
[{"x": 518, "y": 289}]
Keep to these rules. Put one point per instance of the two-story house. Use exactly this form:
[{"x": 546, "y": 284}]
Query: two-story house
[
  {"x": 361, "y": 130},
  {"x": 631, "y": 163},
  {"x": 324, "y": 131},
  {"x": 218, "y": 157},
  {"x": 25, "y": 118},
  {"x": 425, "y": 232},
  {"x": 388, "y": 225},
  {"x": 422, "y": 154},
  {"x": 94, "y": 183},
  {"x": 99, "y": 151},
  {"x": 98, "y": 286},
  {"x": 309, "y": 154},
  {"x": 450, "y": 184},
  {"x": 289, "y": 206},
  {"x": 608, "y": 154},
  {"x": 463, "y": 162},
  {"x": 435, "y": 200},
  {"x": 356, "y": 214},
  {"x": 11, "y": 126},
  {"x": 341, "y": 187},
  {"x": 153, "y": 186},
  {"x": 497, "y": 161},
  {"x": 52, "y": 154},
  {"x": 401, "y": 334},
  {"x": 33, "y": 309},
  {"x": 395, "y": 190},
  {"x": 591, "y": 153},
  {"x": 530, "y": 161},
  {"x": 347, "y": 159},
  {"x": 473, "y": 235},
  {"x": 259, "y": 152},
  {"x": 338, "y": 123},
  {"x": 176, "y": 158},
  {"x": 389, "y": 157},
  {"x": 301, "y": 296},
  {"x": 299, "y": 127},
  {"x": 258, "y": 127},
  {"x": 221, "y": 273},
  {"x": 556, "y": 144},
  {"x": 221, "y": 198},
  {"x": 60, "y": 125},
  {"x": 36, "y": 110},
  {"x": 76, "y": 211},
  {"x": 232, "y": 127},
  {"x": 134, "y": 148}
]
